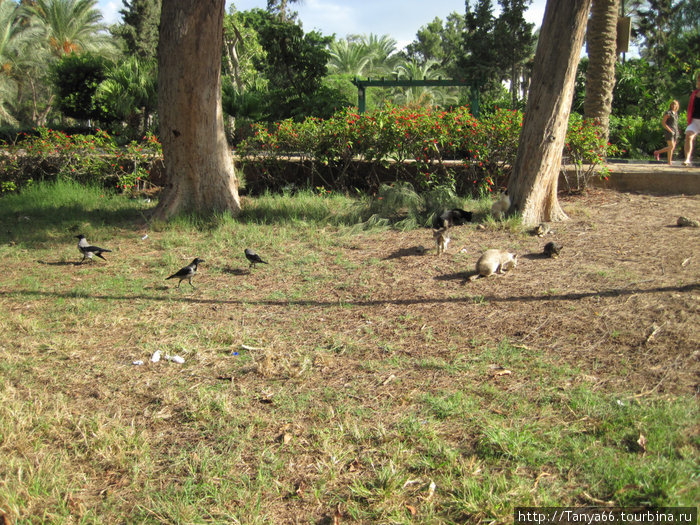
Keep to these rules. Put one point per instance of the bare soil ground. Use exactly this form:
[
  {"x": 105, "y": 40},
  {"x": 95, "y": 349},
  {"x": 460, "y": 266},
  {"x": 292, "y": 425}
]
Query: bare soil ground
[{"x": 626, "y": 271}]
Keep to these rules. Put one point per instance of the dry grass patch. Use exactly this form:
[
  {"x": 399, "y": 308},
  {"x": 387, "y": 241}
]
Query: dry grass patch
[{"x": 375, "y": 382}]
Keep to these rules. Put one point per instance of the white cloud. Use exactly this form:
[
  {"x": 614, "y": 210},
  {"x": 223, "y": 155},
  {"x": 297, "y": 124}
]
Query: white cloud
[
  {"x": 110, "y": 12},
  {"x": 327, "y": 17}
]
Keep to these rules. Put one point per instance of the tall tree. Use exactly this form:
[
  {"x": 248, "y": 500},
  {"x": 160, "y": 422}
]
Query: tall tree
[
  {"x": 15, "y": 36},
  {"x": 139, "y": 27},
  {"x": 198, "y": 164},
  {"x": 601, "y": 36},
  {"x": 294, "y": 63},
  {"x": 533, "y": 185},
  {"x": 439, "y": 42},
  {"x": 515, "y": 41},
  {"x": 479, "y": 57},
  {"x": 348, "y": 58},
  {"x": 281, "y": 10},
  {"x": 71, "y": 26}
]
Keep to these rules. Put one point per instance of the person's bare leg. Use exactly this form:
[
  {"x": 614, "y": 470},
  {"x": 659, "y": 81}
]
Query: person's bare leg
[
  {"x": 689, "y": 137},
  {"x": 671, "y": 147}
]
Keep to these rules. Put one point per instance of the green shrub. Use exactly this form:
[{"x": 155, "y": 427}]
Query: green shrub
[
  {"x": 46, "y": 154},
  {"x": 637, "y": 137},
  {"x": 424, "y": 147},
  {"x": 586, "y": 150}
]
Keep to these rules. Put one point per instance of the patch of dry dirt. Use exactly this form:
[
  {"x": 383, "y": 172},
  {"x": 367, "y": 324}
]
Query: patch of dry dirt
[{"x": 621, "y": 301}]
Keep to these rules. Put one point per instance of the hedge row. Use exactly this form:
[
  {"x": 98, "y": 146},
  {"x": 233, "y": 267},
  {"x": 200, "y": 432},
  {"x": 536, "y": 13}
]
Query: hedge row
[{"x": 424, "y": 147}]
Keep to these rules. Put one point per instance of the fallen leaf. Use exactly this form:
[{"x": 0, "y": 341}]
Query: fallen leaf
[
  {"x": 502, "y": 373},
  {"x": 354, "y": 465},
  {"x": 411, "y": 509}
]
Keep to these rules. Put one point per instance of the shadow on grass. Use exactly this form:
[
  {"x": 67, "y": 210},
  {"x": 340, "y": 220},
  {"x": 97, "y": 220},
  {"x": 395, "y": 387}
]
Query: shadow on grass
[
  {"x": 61, "y": 263},
  {"x": 38, "y": 224},
  {"x": 614, "y": 292}
]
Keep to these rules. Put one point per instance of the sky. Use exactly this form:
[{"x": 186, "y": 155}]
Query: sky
[{"x": 399, "y": 19}]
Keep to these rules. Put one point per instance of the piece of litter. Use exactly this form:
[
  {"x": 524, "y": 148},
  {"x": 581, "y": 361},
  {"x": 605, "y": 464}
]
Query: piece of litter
[
  {"x": 155, "y": 357},
  {"x": 144, "y": 237},
  {"x": 175, "y": 358},
  {"x": 235, "y": 353},
  {"x": 253, "y": 348},
  {"x": 620, "y": 403},
  {"x": 137, "y": 363},
  {"x": 431, "y": 489}
]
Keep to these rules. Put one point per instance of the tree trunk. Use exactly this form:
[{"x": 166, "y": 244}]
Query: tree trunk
[
  {"x": 602, "y": 55},
  {"x": 533, "y": 186},
  {"x": 198, "y": 164}
]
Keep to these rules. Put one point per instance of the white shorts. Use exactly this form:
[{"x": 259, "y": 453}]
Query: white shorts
[{"x": 694, "y": 127}]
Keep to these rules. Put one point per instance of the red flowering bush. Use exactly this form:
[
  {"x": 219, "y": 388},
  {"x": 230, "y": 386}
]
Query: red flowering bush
[
  {"x": 586, "y": 150},
  {"x": 48, "y": 153},
  {"x": 425, "y": 147}
]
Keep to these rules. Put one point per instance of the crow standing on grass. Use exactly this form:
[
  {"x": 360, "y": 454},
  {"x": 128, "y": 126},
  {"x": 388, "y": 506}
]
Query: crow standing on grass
[
  {"x": 187, "y": 272},
  {"x": 253, "y": 257},
  {"x": 89, "y": 251}
]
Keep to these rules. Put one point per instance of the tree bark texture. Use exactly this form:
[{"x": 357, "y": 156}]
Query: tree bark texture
[
  {"x": 533, "y": 185},
  {"x": 198, "y": 163},
  {"x": 601, "y": 41}
]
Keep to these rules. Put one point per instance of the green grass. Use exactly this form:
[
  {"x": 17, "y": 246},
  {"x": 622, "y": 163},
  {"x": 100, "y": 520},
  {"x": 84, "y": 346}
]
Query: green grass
[{"x": 351, "y": 399}]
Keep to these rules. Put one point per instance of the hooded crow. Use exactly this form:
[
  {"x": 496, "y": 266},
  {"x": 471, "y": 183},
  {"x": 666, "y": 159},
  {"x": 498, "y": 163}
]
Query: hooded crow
[
  {"x": 187, "y": 272},
  {"x": 253, "y": 257},
  {"x": 89, "y": 251}
]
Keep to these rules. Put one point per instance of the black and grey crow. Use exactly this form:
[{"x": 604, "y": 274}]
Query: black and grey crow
[
  {"x": 253, "y": 257},
  {"x": 453, "y": 217},
  {"x": 87, "y": 250},
  {"x": 187, "y": 272}
]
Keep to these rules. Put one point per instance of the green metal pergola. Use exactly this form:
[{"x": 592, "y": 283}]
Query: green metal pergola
[{"x": 362, "y": 85}]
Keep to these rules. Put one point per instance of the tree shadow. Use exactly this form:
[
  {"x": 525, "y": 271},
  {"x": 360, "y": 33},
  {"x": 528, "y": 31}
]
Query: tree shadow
[
  {"x": 574, "y": 296},
  {"x": 37, "y": 224}
]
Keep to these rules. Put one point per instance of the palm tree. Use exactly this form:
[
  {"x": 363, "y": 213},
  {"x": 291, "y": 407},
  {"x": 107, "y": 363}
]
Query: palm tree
[
  {"x": 71, "y": 26},
  {"x": 10, "y": 43},
  {"x": 130, "y": 91},
  {"x": 602, "y": 55},
  {"x": 349, "y": 58},
  {"x": 381, "y": 51},
  {"x": 421, "y": 95}
]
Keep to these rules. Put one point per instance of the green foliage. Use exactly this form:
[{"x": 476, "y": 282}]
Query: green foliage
[
  {"x": 139, "y": 28},
  {"x": 422, "y": 143},
  {"x": 76, "y": 79},
  {"x": 294, "y": 64},
  {"x": 426, "y": 148},
  {"x": 636, "y": 136},
  {"x": 129, "y": 94},
  {"x": 586, "y": 149},
  {"x": 496, "y": 48},
  {"x": 47, "y": 154}
]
